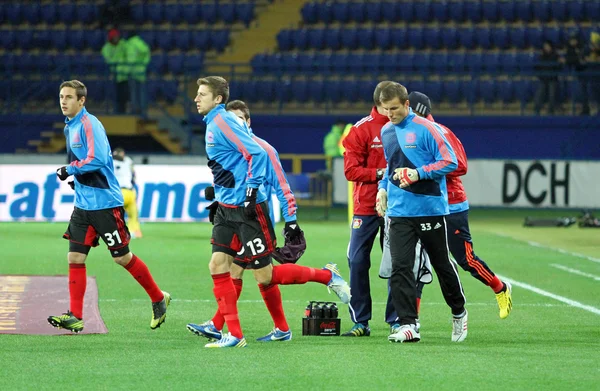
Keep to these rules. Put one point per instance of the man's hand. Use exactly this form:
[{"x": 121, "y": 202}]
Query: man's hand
[
  {"x": 212, "y": 211},
  {"x": 406, "y": 176},
  {"x": 62, "y": 173},
  {"x": 381, "y": 202},
  {"x": 292, "y": 230},
  {"x": 250, "y": 203},
  {"x": 209, "y": 193}
]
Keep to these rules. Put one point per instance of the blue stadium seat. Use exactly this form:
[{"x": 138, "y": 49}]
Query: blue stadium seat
[
  {"x": 325, "y": 12},
  {"x": 27, "y": 63},
  {"x": 490, "y": 11},
  {"x": 456, "y": 62},
  {"x": 456, "y": 11},
  {"x": 526, "y": 61},
  {"x": 158, "y": 63},
  {"x": 473, "y": 11},
  {"x": 94, "y": 39},
  {"x": 164, "y": 39},
  {"x": 490, "y": 62},
  {"x": 41, "y": 39},
  {"x": 417, "y": 85},
  {"x": 220, "y": 40},
  {"x": 283, "y": 92},
  {"x": 439, "y": 11},
  {"x": 449, "y": 36},
  {"x": 66, "y": 13},
  {"x": 169, "y": 90},
  {"x": 300, "y": 39},
  {"x": 138, "y": 14},
  {"x": 466, "y": 37},
  {"x": 259, "y": 63},
  {"x": 404, "y": 62},
  {"x": 554, "y": 35},
  {"x": 350, "y": 92},
  {"x": 155, "y": 12},
  {"x": 316, "y": 91},
  {"x": 421, "y": 62},
  {"x": 340, "y": 63},
  {"x": 149, "y": 36},
  {"x": 506, "y": 91},
  {"x": 333, "y": 39},
  {"x": 507, "y": 10},
  {"x": 175, "y": 63},
  {"x": 524, "y": 11},
  {"x": 541, "y": 10},
  {"x": 576, "y": 9},
  {"x": 58, "y": 39},
  {"x": 488, "y": 90},
  {"x": 173, "y": 13},
  {"x": 406, "y": 11},
  {"x": 535, "y": 37},
  {"x": 389, "y": 63},
  {"x": 399, "y": 38},
  {"x": 340, "y": 12},
  {"x": 517, "y": 37},
  {"x": 349, "y": 38},
  {"x": 182, "y": 39},
  {"x": 209, "y": 13},
  {"x": 49, "y": 13},
  {"x": 265, "y": 90},
  {"x": 316, "y": 38},
  {"x": 415, "y": 37},
  {"x": 374, "y": 12},
  {"x": 509, "y": 62},
  {"x": 358, "y": 12},
  {"x": 45, "y": 63},
  {"x": 284, "y": 40},
  {"x": 190, "y": 13},
  {"x": 366, "y": 37},
  {"x": 558, "y": 10},
  {"x": 422, "y": 11},
  {"x": 31, "y": 13},
  {"x": 500, "y": 38},
  {"x": 452, "y": 90},
  {"x": 483, "y": 37},
  {"x": 76, "y": 39},
  {"x": 322, "y": 62},
  {"x": 309, "y": 13},
  {"x": 474, "y": 61},
  {"x": 86, "y": 13},
  {"x": 14, "y": 13},
  {"x": 372, "y": 64},
  {"x": 383, "y": 38},
  {"x": 305, "y": 63},
  {"x": 392, "y": 11},
  {"x": 432, "y": 38},
  {"x": 200, "y": 40},
  {"x": 299, "y": 90},
  {"x": 439, "y": 62},
  {"x": 226, "y": 12},
  {"x": 592, "y": 11},
  {"x": 244, "y": 12},
  {"x": 435, "y": 89}
]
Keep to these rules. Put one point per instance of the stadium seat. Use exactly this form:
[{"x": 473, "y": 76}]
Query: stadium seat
[
  {"x": 300, "y": 39},
  {"x": 138, "y": 14},
  {"x": 421, "y": 62},
  {"x": 406, "y": 11},
  {"x": 299, "y": 90},
  {"x": 226, "y": 12},
  {"x": 483, "y": 37},
  {"x": 383, "y": 38},
  {"x": 220, "y": 40},
  {"x": 526, "y": 61},
  {"x": 244, "y": 12},
  {"x": 94, "y": 39},
  {"x": 259, "y": 63},
  {"x": 182, "y": 39},
  {"x": 456, "y": 11},
  {"x": 14, "y": 13},
  {"x": 158, "y": 63},
  {"x": 173, "y": 14},
  {"x": 541, "y": 10},
  {"x": 452, "y": 90},
  {"x": 333, "y": 39},
  {"x": 283, "y": 92},
  {"x": 466, "y": 37},
  {"x": 190, "y": 13},
  {"x": 175, "y": 63},
  {"x": 517, "y": 37},
  {"x": 435, "y": 88},
  {"x": 392, "y": 11},
  {"x": 305, "y": 63},
  {"x": 358, "y": 12},
  {"x": 49, "y": 13},
  {"x": 432, "y": 38},
  {"x": 439, "y": 11},
  {"x": 340, "y": 63},
  {"x": 500, "y": 37},
  {"x": 366, "y": 38},
  {"x": 284, "y": 40},
  {"x": 164, "y": 39},
  {"x": 58, "y": 39},
  {"x": 399, "y": 38},
  {"x": 473, "y": 11},
  {"x": 507, "y": 10},
  {"x": 309, "y": 13},
  {"x": 404, "y": 62},
  {"x": 155, "y": 12},
  {"x": 456, "y": 62},
  {"x": 31, "y": 13},
  {"x": 415, "y": 37},
  {"x": 473, "y": 62},
  {"x": 340, "y": 12},
  {"x": 200, "y": 40},
  {"x": 316, "y": 38},
  {"x": 488, "y": 90},
  {"x": 535, "y": 37},
  {"x": 524, "y": 11},
  {"x": 149, "y": 36},
  {"x": 86, "y": 13},
  {"x": 389, "y": 63},
  {"x": 169, "y": 90},
  {"x": 509, "y": 62},
  {"x": 439, "y": 62},
  {"x": 66, "y": 13},
  {"x": 506, "y": 91},
  {"x": 489, "y": 11},
  {"x": 326, "y": 12},
  {"x": 422, "y": 11},
  {"x": 490, "y": 62},
  {"x": 76, "y": 39},
  {"x": 322, "y": 62},
  {"x": 374, "y": 12},
  {"x": 349, "y": 38},
  {"x": 209, "y": 13},
  {"x": 554, "y": 35},
  {"x": 558, "y": 10},
  {"x": 592, "y": 11},
  {"x": 449, "y": 37},
  {"x": 575, "y": 10}
]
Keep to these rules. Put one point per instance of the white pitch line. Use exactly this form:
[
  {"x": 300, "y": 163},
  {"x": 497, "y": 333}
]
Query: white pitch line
[
  {"x": 575, "y": 271},
  {"x": 542, "y": 292}
]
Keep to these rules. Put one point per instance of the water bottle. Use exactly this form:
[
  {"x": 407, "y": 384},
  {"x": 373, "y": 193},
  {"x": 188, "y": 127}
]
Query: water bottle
[
  {"x": 308, "y": 310},
  {"x": 334, "y": 311},
  {"x": 317, "y": 311},
  {"x": 326, "y": 311}
]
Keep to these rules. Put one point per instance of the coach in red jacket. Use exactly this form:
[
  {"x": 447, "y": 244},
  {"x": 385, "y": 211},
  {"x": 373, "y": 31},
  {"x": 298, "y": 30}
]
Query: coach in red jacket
[
  {"x": 364, "y": 164},
  {"x": 457, "y": 222}
]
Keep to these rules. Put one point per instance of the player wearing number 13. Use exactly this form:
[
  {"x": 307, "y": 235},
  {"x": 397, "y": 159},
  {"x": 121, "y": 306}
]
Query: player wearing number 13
[
  {"x": 419, "y": 157},
  {"x": 98, "y": 209}
]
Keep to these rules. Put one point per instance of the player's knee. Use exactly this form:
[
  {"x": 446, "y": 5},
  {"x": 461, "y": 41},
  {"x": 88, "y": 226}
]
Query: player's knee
[
  {"x": 76, "y": 257},
  {"x": 237, "y": 272},
  {"x": 124, "y": 259},
  {"x": 264, "y": 275}
]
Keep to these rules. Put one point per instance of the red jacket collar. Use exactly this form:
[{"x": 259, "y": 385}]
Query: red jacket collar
[{"x": 383, "y": 119}]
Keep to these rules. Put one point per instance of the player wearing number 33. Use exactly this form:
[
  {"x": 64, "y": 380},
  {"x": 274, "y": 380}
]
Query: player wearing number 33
[
  {"x": 419, "y": 157},
  {"x": 98, "y": 209}
]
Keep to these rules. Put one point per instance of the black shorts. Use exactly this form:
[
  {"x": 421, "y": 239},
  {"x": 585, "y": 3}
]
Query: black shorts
[
  {"x": 250, "y": 242},
  {"x": 87, "y": 226}
]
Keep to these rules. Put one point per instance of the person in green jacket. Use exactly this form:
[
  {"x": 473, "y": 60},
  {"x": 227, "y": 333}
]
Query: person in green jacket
[
  {"x": 114, "y": 52},
  {"x": 331, "y": 140},
  {"x": 138, "y": 57}
]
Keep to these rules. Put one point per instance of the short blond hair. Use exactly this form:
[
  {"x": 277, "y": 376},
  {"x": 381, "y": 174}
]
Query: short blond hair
[
  {"x": 79, "y": 87},
  {"x": 217, "y": 85}
]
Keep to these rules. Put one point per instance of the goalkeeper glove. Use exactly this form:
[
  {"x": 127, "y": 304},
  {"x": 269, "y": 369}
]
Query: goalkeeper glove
[
  {"x": 406, "y": 176},
  {"x": 381, "y": 202},
  {"x": 62, "y": 173},
  {"x": 292, "y": 230},
  {"x": 209, "y": 193},
  {"x": 212, "y": 211},
  {"x": 71, "y": 184},
  {"x": 250, "y": 203}
]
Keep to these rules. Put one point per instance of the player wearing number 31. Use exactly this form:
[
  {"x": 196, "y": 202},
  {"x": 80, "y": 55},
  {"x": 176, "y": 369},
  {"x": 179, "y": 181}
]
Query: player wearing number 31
[
  {"x": 413, "y": 195},
  {"x": 98, "y": 209}
]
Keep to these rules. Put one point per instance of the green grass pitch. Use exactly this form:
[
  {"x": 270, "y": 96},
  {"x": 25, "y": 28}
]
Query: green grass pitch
[{"x": 544, "y": 344}]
